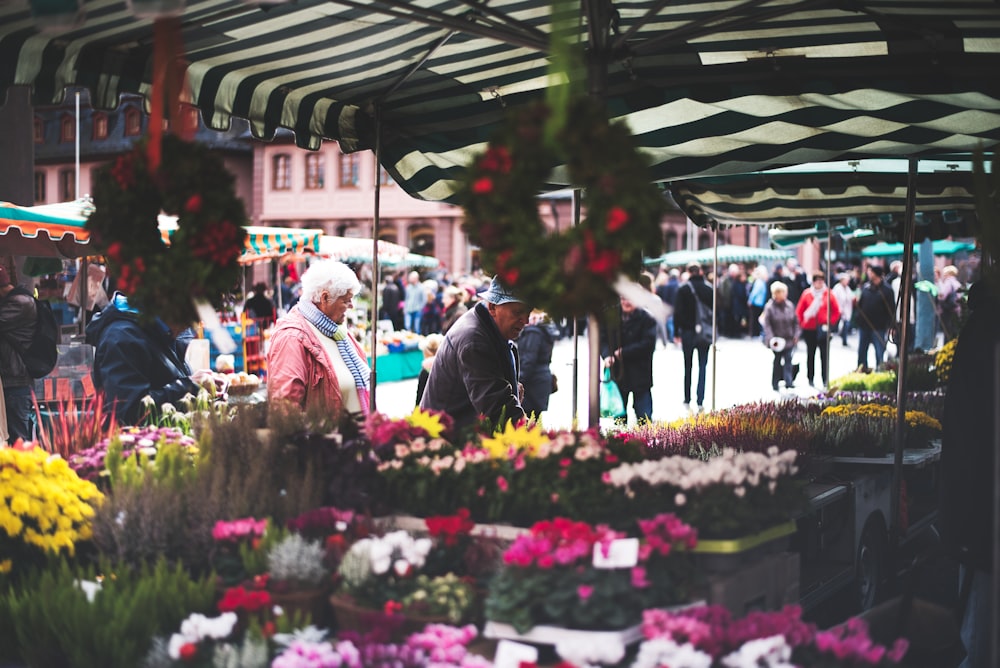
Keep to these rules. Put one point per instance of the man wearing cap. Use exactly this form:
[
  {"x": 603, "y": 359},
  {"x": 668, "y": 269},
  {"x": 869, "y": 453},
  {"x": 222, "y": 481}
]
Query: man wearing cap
[
  {"x": 476, "y": 369},
  {"x": 17, "y": 324}
]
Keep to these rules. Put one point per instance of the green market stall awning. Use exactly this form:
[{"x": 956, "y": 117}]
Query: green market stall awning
[
  {"x": 726, "y": 253},
  {"x": 43, "y": 231},
  {"x": 939, "y": 247},
  {"x": 708, "y": 88},
  {"x": 266, "y": 243}
]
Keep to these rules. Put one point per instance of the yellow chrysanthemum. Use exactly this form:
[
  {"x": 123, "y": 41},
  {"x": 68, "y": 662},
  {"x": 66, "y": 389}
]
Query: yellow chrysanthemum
[
  {"x": 427, "y": 421},
  {"x": 512, "y": 439},
  {"x": 6, "y": 565}
]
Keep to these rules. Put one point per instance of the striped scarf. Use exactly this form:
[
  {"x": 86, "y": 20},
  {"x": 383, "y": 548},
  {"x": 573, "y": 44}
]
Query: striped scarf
[{"x": 348, "y": 352}]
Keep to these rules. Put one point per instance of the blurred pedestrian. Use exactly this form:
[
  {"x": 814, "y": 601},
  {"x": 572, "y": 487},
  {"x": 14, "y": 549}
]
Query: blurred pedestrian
[
  {"x": 629, "y": 354},
  {"x": 685, "y": 323},
  {"x": 534, "y": 347},
  {"x": 781, "y": 334},
  {"x": 258, "y": 306},
  {"x": 949, "y": 301},
  {"x": 391, "y": 308},
  {"x": 843, "y": 294},
  {"x": 816, "y": 311},
  {"x": 429, "y": 347},
  {"x": 17, "y": 329},
  {"x": 875, "y": 311},
  {"x": 454, "y": 307},
  {"x": 414, "y": 299},
  {"x": 757, "y": 298}
]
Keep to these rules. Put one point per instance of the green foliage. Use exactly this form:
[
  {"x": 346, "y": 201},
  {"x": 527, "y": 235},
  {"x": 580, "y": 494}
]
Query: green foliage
[
  {"x": 254, "y": 557},
  {"x": 55, "y": 624},
  {"x": 443, "y": 596}
]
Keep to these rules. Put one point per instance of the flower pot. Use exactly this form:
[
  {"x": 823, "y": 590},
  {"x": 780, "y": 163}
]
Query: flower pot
[
  {"x": 353, "y": 617},
  {"x": 727, "y": 556},
  {"x": 312, "y": 602}
]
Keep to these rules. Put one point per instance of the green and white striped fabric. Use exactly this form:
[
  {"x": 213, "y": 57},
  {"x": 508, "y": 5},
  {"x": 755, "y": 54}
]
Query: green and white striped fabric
[{"x": 708, "y": 88}]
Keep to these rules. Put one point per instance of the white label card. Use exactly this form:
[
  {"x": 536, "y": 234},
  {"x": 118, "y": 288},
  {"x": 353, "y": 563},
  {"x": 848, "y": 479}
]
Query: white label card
[
  {"x": 621, "y": 553},
  {"x": 512, "y": 654}
]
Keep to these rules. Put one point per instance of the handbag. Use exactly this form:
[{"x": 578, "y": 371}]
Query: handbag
[
  {"x": 612, "y": 405},
  {"x": 822, "y": 331},
  {"x": 555, "y": 384}
]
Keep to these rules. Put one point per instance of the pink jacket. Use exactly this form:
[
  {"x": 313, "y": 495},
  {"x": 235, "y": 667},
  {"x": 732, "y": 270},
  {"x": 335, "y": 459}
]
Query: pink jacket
[{"x": 298, "y": 367}]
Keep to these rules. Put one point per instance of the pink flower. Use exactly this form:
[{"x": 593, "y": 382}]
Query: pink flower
[
  {"x": 193, "y": 204},
  {"x": 502, "y": 484},
  {"x": 617, "y": 217},
  {"x": 565, "y": 461},
  {"x": 584, "y": 592},
  {"x": 639, "y": 580},
  {"x": 483, "y": 186}
]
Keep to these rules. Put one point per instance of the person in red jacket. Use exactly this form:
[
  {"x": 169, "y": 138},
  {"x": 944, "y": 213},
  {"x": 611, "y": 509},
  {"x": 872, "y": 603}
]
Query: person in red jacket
[{"x": 815, "y": 311}]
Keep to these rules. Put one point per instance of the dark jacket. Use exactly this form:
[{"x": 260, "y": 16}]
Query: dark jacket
[
  {"x": 133, "y": 360},
  {"x": 967, "y": 441},
  {"x": 534, "y": 346},
  {"x": 259, "y": 306},
  {"x": 684, "y": 315},
  {"x": 17, "y": 321},
  {"x": 876, "y": 307},
  {"x": 633, "y": 371},
  {"x": 475, "y": 372}
]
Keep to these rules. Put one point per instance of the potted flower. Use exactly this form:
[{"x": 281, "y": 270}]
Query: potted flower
[
  {"x": 381, "y": 584},
  {"x": 709, "y": 637},
  {"x": 298, "y": 578},
  {"x": 728, "y": 496},
  {"x": 578, "y": 576}
]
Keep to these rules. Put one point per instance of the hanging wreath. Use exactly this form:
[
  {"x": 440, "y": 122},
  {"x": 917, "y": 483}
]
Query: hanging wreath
[
  {"x": 570, "y": 273},
  {"x": 201, "y": 261}
]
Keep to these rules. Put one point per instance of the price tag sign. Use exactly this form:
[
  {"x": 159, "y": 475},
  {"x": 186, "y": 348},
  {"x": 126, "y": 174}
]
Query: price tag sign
[
  {"x": 512, "y": 654},
  {"x": 621, "y": 553},
  {"x": 88, "y": 385}
]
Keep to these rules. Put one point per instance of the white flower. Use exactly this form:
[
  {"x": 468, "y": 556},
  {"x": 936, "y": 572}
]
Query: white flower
[
  {"x": 89, "y": 589},
  {"x": 772, "y": 652},
  {"x": 401, "y": 566},
  {"x": 198, "y": 627},
  {"x": 168, "y": 409},
  {"x": 664, "y": 652},
  {"x": 148, "y": 402},
  {"x": 593, "y": 652},
  {"x": 680, "y": 499}
]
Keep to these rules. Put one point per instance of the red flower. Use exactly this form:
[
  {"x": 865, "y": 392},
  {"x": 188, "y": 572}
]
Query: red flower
[
  {"x": 450, "y": 527},
  {"x": 392, "y": 607},
  {"x": 193, "y": 205},
  {"x": 497, "y": 159},
  {"x": 237, "y": 599},
  {"x": 188, "y": 651},
  {"x": 269, "y": 629},
  {"x": 115, "y": 251},
  {"x": 604, "y": 263},
  {"x": 483, "y": 186},
  {"x": 617, "y": 217}
]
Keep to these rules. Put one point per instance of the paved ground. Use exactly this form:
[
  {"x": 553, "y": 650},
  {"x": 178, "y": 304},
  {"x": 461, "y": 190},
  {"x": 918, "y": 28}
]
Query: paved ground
[{"x": 741, "y": 369}]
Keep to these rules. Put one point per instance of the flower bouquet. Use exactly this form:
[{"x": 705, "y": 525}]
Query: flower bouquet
[
  {"x": 381, "y": 584},
  {"x": 731, "y": 495},
  {"x": 563, "y": 574},
  {"x": 709, "y": 637}
]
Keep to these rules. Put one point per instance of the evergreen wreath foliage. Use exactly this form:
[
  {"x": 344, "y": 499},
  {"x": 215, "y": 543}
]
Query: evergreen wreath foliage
[
  {"x": 572, "y": 272},
  {"x": 202, "y": 259}
]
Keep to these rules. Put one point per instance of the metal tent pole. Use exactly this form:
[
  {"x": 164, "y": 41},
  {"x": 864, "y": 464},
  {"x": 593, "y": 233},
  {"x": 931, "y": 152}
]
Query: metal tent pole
[
  {"x": 576, "y": 337},
  {"x": 902, "y": 338},
  {"x": 372, "y": 317},
  {"x": 715, "y": 309},
  {"x": 829, "y": 296}
]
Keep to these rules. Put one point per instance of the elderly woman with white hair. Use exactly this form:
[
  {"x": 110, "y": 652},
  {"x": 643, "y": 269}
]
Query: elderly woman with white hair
[{"x": 313, "y": 359}]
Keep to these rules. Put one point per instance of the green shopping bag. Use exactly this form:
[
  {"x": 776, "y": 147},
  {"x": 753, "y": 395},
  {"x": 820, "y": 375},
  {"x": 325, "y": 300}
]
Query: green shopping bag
[{"x": 612, "y": 404}]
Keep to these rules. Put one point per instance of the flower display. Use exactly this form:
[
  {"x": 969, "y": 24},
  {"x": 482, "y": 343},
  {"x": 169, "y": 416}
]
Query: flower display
[
  {"x": 201, "y": 261},
  {"x": 943, "y": 361},
  {"x": 708, "y": 636},
  {"x": 733, "y": 494},
  {"x": 552, "y": 575},
  {"x": 44, "y": 505},
  {"x": 241, "y": 599},
  {"x": 90, "y": 464},
  {"x": 749, "y": 427},
  {"x": 385, "y": 432},
  {"x": 849, "y": 428},
  {"x": 570, "y": 273},
  {"x": 520, "y": 475},
  {"x": 305, "y": 654},
  {"x": 239, "y": 530},
  {"x": 197, "y": 628}
]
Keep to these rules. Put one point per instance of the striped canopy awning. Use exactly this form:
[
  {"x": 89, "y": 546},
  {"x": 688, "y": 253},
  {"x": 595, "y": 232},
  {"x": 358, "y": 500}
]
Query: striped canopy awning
[
  {"x": 708, "y": 88},
  {"x": 43, "y": 231},
  {"x": 861, "y": 195},
  {"x": 359, "y": 249},
  {"x": 262, "y": 243}
]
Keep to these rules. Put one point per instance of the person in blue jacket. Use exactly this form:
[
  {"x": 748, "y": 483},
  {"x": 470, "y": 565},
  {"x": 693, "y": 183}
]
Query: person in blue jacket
[{"x": 135, "y": 359}]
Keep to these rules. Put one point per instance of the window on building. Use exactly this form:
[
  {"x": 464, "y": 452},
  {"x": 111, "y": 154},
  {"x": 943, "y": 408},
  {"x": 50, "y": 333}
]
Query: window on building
[
  {"x": 422, "y": 240},
  {"x": 281, "y": 178},
  {"x": 384, "y": 178},
  {"x": 67, "y": 129},
  {"x": 39, "y": 131},
  {"x": 671, "y": 242},
  {"x": 39, "y": 187},
  {"x": 704, "y": 241},
  {"x": 67, "y": 185},
  {"x": 133, "y": 122},
  {"x": 350, "y": 169},
  {"x": 100, "y": 126},
  {"x": 315, "y": 171}
]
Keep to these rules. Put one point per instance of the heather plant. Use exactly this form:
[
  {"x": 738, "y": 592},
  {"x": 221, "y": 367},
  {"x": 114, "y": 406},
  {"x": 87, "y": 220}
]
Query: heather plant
[
  {"x": 90, "y": 463},
  {"x": 103, "y": 615},
  {"x": 296, "y": 563},
  {"x": 870, "y": 428},
  {"x": 748, "y": 428}
]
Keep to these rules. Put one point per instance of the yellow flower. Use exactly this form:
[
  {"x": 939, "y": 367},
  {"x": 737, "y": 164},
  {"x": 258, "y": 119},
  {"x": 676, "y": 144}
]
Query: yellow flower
[
  {"x": 513, "y": 440},
  {"x": 6, "y": 565},
  {"x": 427, "y": 421}
]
